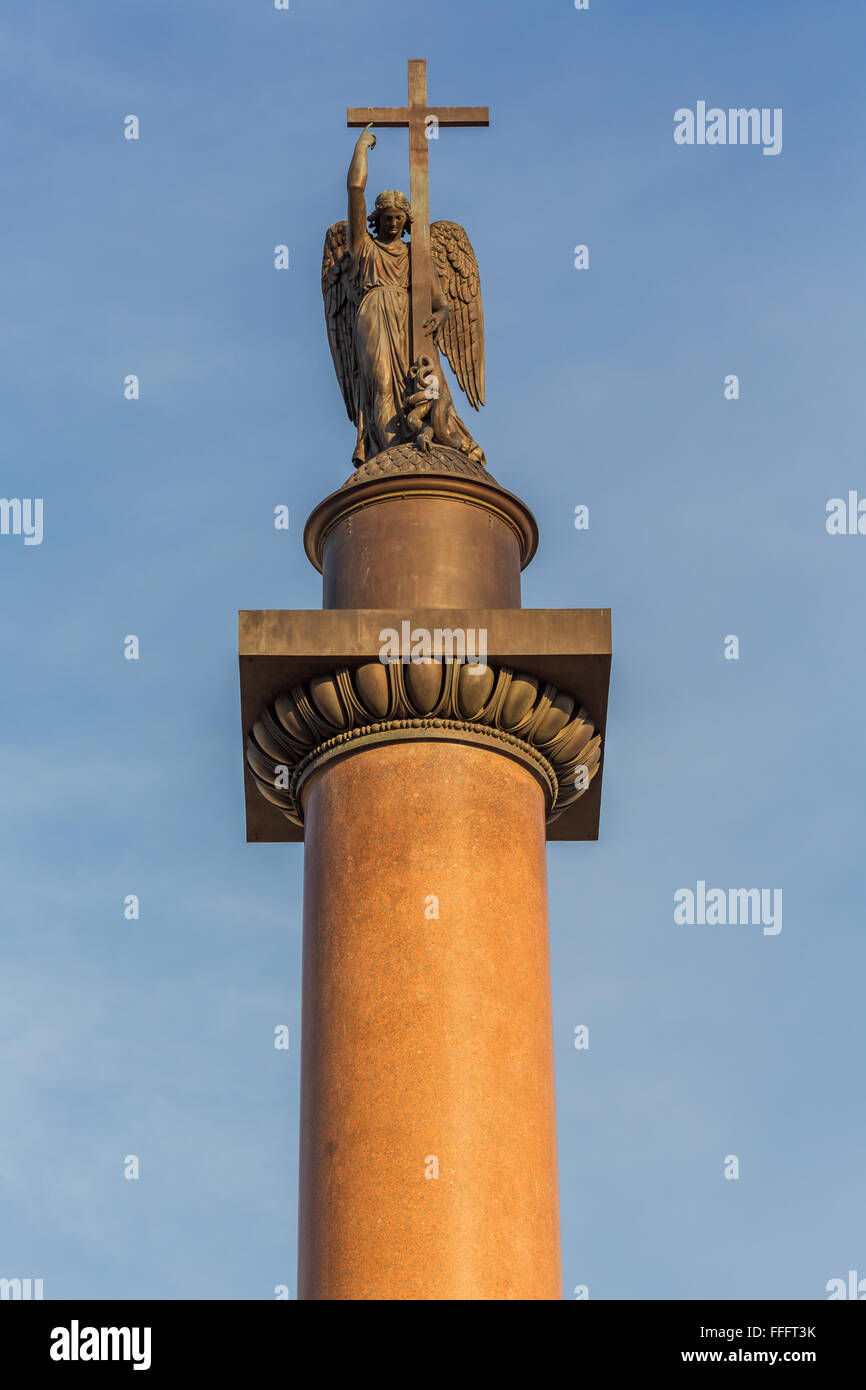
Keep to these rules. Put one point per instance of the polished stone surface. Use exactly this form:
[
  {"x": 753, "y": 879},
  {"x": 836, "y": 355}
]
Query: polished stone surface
[{"x": 426, "y": 1037}]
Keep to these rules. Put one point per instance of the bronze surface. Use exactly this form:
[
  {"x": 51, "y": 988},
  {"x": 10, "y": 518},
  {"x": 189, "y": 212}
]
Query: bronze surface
[
  {"x": 347, "y": 711},
  {"x": 389, "y": 307},
  {"x": 409, "y": 538},
  {"x": 569, "y": 648}
]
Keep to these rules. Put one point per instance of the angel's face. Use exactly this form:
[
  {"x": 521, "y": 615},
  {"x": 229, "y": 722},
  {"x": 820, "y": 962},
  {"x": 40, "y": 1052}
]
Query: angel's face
[{"x": 391, "y": 224}]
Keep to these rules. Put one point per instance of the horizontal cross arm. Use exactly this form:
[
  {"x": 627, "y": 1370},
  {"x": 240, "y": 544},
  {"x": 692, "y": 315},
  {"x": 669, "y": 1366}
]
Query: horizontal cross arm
[
  {"x": 377, "y": 115},
  {"x": 399, "y": 115},
  {"x": 460, "y": 115}
]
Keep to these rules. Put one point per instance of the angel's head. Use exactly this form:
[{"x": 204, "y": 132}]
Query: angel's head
[{"x": 391, "y": 216}]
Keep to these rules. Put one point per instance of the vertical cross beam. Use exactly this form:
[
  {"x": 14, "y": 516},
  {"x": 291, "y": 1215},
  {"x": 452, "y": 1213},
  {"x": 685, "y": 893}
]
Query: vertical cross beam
[
  {"x": 419, "y": 197},
  {"x": 415, "y": 116}
]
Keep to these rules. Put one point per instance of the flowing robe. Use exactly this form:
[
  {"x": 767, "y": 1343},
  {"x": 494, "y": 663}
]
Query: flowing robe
[{"x": 382, "y": 279}]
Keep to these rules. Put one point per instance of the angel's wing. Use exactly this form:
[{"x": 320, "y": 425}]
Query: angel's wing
[
  {"x": 463, "y": 335},
  {"x": 340, "y": 310}
]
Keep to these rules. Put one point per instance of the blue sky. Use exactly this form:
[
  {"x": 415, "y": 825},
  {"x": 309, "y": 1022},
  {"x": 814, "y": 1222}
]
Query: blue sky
[{"x": 605, "y": 388}]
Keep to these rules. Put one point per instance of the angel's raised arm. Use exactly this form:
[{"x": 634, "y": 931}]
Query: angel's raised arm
[{"x": 356, "y": 183}]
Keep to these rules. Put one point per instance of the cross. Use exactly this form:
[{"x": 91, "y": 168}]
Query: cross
[{"x": 416, "y": 116}]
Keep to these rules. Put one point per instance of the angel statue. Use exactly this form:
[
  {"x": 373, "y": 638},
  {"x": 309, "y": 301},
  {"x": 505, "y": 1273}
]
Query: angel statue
[{"x": 367, "y": 287}]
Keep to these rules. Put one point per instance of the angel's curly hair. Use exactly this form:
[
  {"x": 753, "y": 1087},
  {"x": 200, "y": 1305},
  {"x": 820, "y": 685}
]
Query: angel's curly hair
[{"x": 392, "y": 198}]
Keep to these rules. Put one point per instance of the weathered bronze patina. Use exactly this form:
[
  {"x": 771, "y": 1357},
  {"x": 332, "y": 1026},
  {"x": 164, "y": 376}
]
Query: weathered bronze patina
[
  {"x": 389, "y": 305},
  {"x": 345, "y": 711}
]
